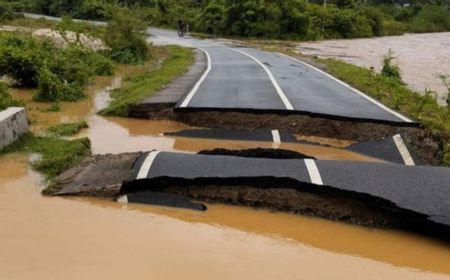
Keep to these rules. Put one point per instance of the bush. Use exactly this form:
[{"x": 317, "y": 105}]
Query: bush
[
  {"x": 59, "y": 74},
  {"x": 392, "y": 27},
  {"x": 389, "y": 69},
  {"x": 52, "y": 88},
  {"x": 6, "y": 12},
  {"x": 431, "y": 19},
  {"x": 22, "y": 57},
  {"x": 125, "y": 35},
  {"x": 6, "y": 99}
]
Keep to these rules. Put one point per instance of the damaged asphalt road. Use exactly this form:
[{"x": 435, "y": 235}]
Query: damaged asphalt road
[
  {"x": 391, "y": 149},
  {"x": 370, "y": 194}
]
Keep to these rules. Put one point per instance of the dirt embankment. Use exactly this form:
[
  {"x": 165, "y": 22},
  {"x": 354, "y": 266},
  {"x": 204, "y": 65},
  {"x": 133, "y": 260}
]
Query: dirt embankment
[{"x": 296, "y": 197}]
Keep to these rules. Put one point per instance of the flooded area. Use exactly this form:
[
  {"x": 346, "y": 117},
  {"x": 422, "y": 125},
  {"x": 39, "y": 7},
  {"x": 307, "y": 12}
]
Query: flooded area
[
  {"x": 57, "y": 238},
  {"x": 421, "y": 57},
  {"x": 67, "y": 238}
]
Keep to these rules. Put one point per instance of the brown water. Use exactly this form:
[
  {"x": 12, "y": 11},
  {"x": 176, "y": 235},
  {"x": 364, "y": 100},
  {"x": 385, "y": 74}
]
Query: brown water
[
  {"x": 56, "y": 238},
  {"x": 421, "y": 57}
]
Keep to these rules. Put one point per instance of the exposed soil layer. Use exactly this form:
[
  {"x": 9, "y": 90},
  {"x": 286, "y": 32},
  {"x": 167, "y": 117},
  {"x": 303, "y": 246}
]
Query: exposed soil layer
[
  {"x": 257, "y": 153},
  {"x": 297, "y": 197},
  {"x": 109, "y": 176},
  {"x": 429, "y": 149}
]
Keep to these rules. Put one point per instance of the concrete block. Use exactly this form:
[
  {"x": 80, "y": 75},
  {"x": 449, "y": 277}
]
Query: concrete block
[{"x": 13, "y": 124}]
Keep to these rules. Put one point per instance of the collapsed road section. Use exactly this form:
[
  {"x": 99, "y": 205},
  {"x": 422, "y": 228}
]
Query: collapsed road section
[
  {"x": 391, "y": 149},
  {"x": 370, "y": 194}
]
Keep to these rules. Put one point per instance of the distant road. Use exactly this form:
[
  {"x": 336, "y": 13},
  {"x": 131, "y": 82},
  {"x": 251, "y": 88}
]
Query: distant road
[{"x": 247, "y": 79}]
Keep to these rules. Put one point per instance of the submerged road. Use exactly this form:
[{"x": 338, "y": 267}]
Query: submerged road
[{"x": 247, "y": 79}]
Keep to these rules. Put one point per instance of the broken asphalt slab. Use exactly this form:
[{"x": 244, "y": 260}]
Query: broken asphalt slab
[{"x": 371, "y": 194}]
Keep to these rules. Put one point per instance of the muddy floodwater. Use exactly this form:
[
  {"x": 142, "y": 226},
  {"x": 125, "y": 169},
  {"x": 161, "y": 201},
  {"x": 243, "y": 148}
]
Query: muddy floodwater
[
  {"x": 68, "y": 238},
  {"x": 421, "y": 57},
  {"x": 56, "y": 238}
]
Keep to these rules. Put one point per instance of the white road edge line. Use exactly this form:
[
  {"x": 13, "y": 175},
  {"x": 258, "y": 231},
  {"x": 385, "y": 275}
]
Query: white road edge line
[
  {"x": 123, "y": 199},
  {"x": 313, "y": 171},
  {"x": 280, "y": 92},
  {"x": 146, "y": 165},
  {"x": 276, "y": 139},
  {"x": 403, "y": 150},
  {"x": 197, "y": 85},
  {"x": 382, "y": 106}
]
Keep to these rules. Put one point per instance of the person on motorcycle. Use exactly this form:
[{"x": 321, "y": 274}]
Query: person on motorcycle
[{"x": 181, "y": 28}]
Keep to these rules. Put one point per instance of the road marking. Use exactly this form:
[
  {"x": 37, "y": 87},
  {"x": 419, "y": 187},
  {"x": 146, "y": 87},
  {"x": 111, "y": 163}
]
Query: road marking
[
  {"x": 123, "y": 199},
  {"x": 313, "y": 171},
  {"x": 280, "y": 92},
  {"x": 382, "y": 106},
  {"x": 276, "y": 139},
  {"x": 403, "y": 150},
  {"x": 197, "y": 85},
  {"x": 146, "y": 165}
]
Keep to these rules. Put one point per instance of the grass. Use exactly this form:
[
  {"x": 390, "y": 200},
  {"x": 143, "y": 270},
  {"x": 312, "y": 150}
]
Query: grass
[
  {"x": 148, "y": 83},
  {"x": 424, "y": 108},
  {"x": 57, "y": 155},
  {"x": 67, "y": 129}
]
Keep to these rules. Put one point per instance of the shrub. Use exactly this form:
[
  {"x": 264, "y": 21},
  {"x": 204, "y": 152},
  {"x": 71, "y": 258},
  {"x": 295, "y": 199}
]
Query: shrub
[
  {"x": 125, "y": 35},
  {"x": 52, "y": 88},
  {"x": 59, "y": 74},
  {"x": 445, "y": 81},
  {"x": 22, "y": 57},
  {"x": 392, "y": 27},
  {"x": 431, "y": 19},
  {"x": 100, "y": 64},
  {"x": 6, "y": 12},
  {"x": 6, "y": 99},
  {"x": 389, "y": 69}
]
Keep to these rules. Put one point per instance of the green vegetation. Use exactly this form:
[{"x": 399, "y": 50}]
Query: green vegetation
[
  {"x": 125, "y": 35},
  {"x": 6, "y": 99},
  {"x": 389, "y": 69},
  {"x": 57, "y": 155},
  {"x": 446, "y": 82},
  {"x": 284, "y": 19},
  {"x": 58, "y": 74},
  {"x": 393, "y": 93},
  {"x": 67, "y": 129},
  {"x": 149, "y": 82}
]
